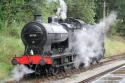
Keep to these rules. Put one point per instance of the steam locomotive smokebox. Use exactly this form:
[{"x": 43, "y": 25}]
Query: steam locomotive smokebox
[{"x": 34, "y": 33}]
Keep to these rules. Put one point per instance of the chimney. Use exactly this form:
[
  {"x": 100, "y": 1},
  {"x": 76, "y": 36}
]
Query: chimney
[{"x": 37, "y": 17}]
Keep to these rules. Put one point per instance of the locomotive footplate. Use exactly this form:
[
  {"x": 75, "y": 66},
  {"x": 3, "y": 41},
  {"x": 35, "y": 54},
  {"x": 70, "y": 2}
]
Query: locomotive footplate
[{"x": 32, "y": 59}]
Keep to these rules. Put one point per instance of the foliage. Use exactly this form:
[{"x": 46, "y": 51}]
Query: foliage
[
  {"x": 82, "y": 9},
  {"x": 113, "y": 5},
  {"x": 119, "y": 6}
]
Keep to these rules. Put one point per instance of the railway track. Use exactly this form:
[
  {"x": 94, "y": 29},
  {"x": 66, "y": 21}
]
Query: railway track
[
  {"x": 89, "y": 80},
  {"x": 115, "y": 76},
  {"x": 70, "y": 72}
]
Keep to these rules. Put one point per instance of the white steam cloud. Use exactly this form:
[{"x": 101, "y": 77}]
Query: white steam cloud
[
  {"x": 62, "y": 10},
  {"x": 89, "y": 41},
  {"x": 17, "y": 73}
]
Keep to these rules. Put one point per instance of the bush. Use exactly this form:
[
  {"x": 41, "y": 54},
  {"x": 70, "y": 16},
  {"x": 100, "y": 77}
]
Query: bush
[
  {"x": 117, "y": 29},
  {"x": 11, "y": 30}
]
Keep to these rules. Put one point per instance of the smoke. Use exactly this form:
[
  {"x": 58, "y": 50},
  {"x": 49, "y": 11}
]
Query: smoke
[
  {"x": 89, "y": 42},
  {"x": 17, "y": 73},
  {"x": 62, "y": 10}
]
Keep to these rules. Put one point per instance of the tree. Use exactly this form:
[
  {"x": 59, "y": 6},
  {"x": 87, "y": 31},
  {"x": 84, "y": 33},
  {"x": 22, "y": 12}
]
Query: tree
[
  {"x": 119, "y": 7},
  {"x": 83, "y": 9}
]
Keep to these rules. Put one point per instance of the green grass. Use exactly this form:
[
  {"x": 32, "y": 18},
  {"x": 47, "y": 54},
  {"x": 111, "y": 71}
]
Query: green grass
[
  {"x": 114, "y": 46},
  {"x": 4, "y": 70},
  {"x": 9, "y": 46}
]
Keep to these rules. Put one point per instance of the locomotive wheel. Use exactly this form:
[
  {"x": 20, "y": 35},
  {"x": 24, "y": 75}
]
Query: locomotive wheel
[
  {"x": 81, "y": 66},
  {"x": 93, "y": 60},
  {"x": 53, "y": 70},
  {"x": 14, "y": 62}
]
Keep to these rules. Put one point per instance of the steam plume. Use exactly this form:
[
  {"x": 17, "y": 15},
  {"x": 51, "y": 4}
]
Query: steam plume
[
  {"x": 62, "y": 10},
  {"x": 18, "y": 72},
  {"x": 89, "y": 41}
]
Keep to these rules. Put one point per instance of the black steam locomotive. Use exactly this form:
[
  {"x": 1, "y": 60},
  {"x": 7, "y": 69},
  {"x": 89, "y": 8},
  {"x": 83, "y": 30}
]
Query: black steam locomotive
[{"x": 48, "y": 46}]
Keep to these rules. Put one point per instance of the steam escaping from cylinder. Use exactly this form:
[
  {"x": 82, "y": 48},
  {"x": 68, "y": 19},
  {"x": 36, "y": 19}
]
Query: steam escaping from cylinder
[
  {"x": 18, "y": 73},
  {"x": 89, "y": 42},
  {"x": 62, "y": 10}
]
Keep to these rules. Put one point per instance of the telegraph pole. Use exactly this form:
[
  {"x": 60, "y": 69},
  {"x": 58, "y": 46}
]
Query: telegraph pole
[{"x": 104, "y": 8}]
